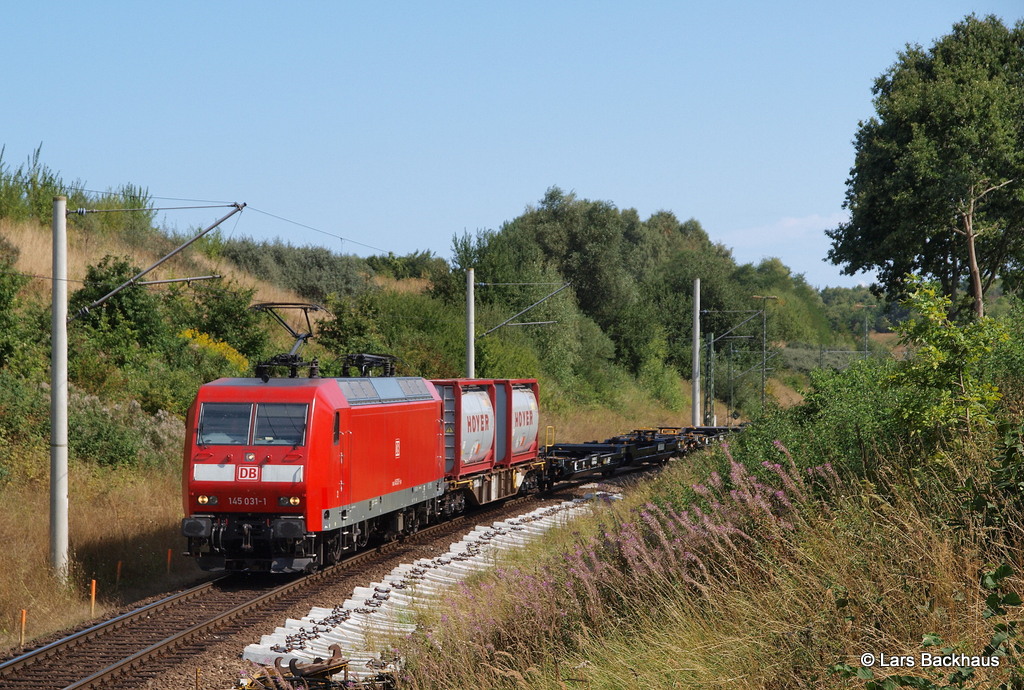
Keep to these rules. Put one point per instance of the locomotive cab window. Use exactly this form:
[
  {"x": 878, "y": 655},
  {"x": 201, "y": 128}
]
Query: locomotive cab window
[
  {"x": 225, "y": 424},
  {"x": 280, "y": 424},
  {"x": 232, "y": 424}
]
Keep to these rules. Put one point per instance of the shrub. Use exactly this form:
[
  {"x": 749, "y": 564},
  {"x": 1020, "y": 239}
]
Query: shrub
[
  {"x": 945, "y": 375},
  {"x": 221, "y": 310},
  {"x": 92, "y": 438},
  {"x": 313, "y": 272},
  {"x": 216, "y": 348},
  {"x": 134, "y": 311}
]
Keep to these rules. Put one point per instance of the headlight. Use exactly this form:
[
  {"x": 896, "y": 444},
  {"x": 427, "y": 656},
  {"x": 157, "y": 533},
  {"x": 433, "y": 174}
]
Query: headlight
[
  {"x": 207, "y": 500},
  {"x": 289, "y": 501}
]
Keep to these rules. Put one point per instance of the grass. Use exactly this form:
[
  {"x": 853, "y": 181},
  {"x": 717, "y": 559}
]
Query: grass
[
  {"x": 84, "y": 249},
  {"x": 633, "y": 410},
  {"x": 122, "y": 516},
  {"x": 779, "y": 577}
]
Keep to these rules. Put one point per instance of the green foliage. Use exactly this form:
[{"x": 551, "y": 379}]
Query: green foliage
[
  {"x": 221, "y": 310},
  {"x": 92, "y": 438},
  {"x": 848, "y": 309},
  {"x": 135, "y": 347},
  {"x": 425, "y": 334},
  {"x": 428, "y": 336},
  {"x": 994, "y": 500},
  {"x": 210, "y": 245},
  {"x": 10, "y": 284},
  {"x": 849, "y": 418},
  {"x": 24, "y": 407},
  {"x": 134, "y": 311},
  {"x": 670, "y": 290},
  {"x": 421, "y": 264},
  {"x": 938, "y": 178},
  {"x": 631, "y": 278},
  {"x": 1005, "y": 647},
  {"x": 125, "y": 212},
  {"x": 501, "y": 358},
  {"x": 1006, "y": 363},
  {"x": 797, "y": 313},
  {"x": 28, "y": 191},
  {"x": 881, "y": 408},
  {"x": 353, "y": 329},
  {"x": 313, "y": 272},
  {"x": 949, "y": 391}
]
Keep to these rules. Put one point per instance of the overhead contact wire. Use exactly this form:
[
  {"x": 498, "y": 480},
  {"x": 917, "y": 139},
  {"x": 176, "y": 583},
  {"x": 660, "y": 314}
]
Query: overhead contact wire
[{"x": 322, "y": 232}]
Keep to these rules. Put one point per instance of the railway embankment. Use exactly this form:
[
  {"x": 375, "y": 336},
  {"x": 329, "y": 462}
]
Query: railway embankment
[
  {"x": 782, "y": 571},
  {"x": 878, "y": 520}
]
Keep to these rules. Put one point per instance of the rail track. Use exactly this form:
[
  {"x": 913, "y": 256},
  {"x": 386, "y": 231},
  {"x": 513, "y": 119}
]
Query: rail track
[
  {"x": 137, "y": 646},
  {"x": 134, "y": 648}
]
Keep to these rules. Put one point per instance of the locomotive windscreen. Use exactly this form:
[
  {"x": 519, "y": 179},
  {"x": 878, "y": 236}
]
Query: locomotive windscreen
[
  {"x": 280, "y": 424},
  {"x": 232, "y": 424},
  {"x": 225, "y": 424}
]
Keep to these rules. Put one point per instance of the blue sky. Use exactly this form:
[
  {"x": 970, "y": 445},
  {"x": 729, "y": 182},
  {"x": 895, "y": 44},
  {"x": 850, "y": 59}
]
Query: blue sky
[{"x": 396, "y": 125}]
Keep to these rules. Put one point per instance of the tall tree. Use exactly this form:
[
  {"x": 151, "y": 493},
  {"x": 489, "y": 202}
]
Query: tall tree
[{"x": 937, "y": 186}]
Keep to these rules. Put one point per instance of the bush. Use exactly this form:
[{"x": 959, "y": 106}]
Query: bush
[
  {"x": 222, "y": 310},
  {"x": 416, "y": 265},
  {"x": 949, "y": 389},
  {"x": 92, "y": 438},
  {"x": 313, "y": 272},
  {"x": 134, "y": 312},
  {"x": 849, "y": 418}
]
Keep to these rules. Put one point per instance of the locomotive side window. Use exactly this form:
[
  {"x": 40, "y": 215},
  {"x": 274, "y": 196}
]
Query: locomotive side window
[
  {"x": 280, "y": 424},
  {"x": 224, "y": 424}
]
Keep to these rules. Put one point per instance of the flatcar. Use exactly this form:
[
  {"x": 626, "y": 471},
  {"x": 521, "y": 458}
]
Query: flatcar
[{"x": 289, "y": 474}]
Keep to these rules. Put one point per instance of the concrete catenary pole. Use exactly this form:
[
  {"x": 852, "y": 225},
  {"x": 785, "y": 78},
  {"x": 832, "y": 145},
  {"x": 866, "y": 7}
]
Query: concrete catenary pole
[
  {"x": 695, "y": 401},
  {"x": 59, "y": 394},
  {"x": 470, "y": 326}
]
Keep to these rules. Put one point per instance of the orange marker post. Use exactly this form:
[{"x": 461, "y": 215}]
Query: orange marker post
[
  {"x": 92, "y": 599},
  {"x": 117, "y": 578},
  {"x": 170, "y": 552},
  {"x": 24, "y": 619}
]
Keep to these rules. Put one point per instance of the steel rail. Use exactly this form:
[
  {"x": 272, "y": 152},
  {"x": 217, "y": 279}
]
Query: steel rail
[
  {"x": 8, "y": 667},
  {"x": 130, "y": 663},
  {"x": 139, "y": 658}
]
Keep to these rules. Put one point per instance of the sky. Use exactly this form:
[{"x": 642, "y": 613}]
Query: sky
[{"x": 380, "y": 127}]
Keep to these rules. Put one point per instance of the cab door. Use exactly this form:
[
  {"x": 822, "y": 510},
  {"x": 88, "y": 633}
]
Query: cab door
[{"x": 341, "y": 454}]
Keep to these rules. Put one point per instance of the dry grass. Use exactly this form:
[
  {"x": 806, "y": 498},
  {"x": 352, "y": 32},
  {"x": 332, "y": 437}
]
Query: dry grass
[
  {"x": 415, "y": 286},
  {"x": 804, "y": 590},
  {"x": 122, "y": 516},
  {"x": 785, "y": 395},
  {"x": 635, "y": 411},
  {"x": 36, "y": 245}
]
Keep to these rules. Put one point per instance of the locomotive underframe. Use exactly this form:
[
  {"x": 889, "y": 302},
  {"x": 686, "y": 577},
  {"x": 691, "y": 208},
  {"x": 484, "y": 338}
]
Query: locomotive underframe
[
  {"x": 254, "y": 543},
  {"x": 241, "y": 542}
]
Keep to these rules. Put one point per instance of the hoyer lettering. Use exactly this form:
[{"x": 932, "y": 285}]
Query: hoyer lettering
[
  {"x": 523, "y": 418},
  {"x": 478, "y": 422}
]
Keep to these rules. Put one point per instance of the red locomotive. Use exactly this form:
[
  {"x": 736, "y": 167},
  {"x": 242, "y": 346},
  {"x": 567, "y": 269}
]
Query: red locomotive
[{"x": 289, "y": 474}]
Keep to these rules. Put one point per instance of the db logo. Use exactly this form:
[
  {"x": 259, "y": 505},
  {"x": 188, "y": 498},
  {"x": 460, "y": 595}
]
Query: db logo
[{"x": 247, "y": 473}]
